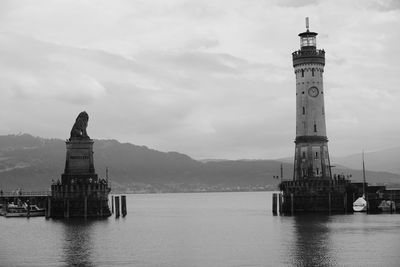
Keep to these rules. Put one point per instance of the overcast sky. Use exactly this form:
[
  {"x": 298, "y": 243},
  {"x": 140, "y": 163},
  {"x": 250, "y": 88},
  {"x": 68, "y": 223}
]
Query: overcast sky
[{"x": 212, "y": 79}]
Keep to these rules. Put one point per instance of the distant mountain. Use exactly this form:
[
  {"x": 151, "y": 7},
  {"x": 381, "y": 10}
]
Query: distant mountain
[
  {"x": 387, "y": 160},
  {"x": 32, "y": 162}
]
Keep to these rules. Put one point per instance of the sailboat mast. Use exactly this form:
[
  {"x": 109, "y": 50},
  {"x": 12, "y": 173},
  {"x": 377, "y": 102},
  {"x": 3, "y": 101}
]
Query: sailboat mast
[{"x": 363, "y": 173}]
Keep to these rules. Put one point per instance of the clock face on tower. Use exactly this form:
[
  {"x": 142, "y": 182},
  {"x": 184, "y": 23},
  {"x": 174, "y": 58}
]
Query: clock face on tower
[{"x": 313, "y": 91}]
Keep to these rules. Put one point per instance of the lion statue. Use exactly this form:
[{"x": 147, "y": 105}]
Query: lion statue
[{"x": 78, "y": 131}]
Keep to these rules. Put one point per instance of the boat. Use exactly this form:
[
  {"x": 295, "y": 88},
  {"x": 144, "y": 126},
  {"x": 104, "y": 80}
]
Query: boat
[
  {"x": 23, "y": 210},
  {"x": 361, "y": 205},
  {"x": 387, "y": 206}
]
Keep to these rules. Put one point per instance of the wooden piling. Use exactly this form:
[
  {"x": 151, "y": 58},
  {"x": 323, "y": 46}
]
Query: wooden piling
[
  {"x": 274, "y": 204},
  {"x": 292, "y": 204},
  {"x": 116, "y": 206},
  {"x": 391, "y": 205},
  {"x": 65, "y": 208},
  {"x": 329, "y": 203},
  {"x": 48, "y": 208},
  {"x": 112, "y": 204},
  {"x": 123, "y": 205},
  {"x": 28, "y": 206},
  {"x": 280, "y": 203},
  {"x": 5, "y": 205},
  {"x": 85, "y": 207},
  {"x": 101, "y": 208},
  {"x": 67, "y": 211}
]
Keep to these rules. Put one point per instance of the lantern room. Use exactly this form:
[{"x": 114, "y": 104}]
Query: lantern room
[{"x": 308, "y": 39}]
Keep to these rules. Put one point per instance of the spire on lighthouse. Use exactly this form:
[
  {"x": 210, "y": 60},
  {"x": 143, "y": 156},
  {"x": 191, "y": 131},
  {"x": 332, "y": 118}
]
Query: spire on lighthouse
[{"x": 307, "y": 24}]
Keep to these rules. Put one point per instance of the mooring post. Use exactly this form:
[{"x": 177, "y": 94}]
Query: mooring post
[
  {"x": 112, "y": 203},
  {"x": 48, "y": 209},
  {"x": 329, "y": 203},
  {"x": 28, "y": 206},
  {"x": 116, "y": 206},
  {"x": 391, "y": 206},
  {"x": 85, "y": 207},
  {"x": 67, "y": 211},
  {"x": 280, "y": 203},
  {"x": 291, "y": 204},
  {"x": 5, "y": 204},
  {"x": 274, "y": 204},
  {"x": 65, "y": 208},
  {"x": 123, "y": 205},
  {"x": 101, "y": 207}
]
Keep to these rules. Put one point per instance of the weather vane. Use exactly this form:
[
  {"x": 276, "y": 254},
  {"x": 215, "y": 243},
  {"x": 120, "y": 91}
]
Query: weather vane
[{"x": 307, "y": 23}]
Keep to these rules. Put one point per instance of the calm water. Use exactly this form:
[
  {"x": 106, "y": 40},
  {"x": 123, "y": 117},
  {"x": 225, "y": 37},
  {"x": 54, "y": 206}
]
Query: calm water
[{"x": 207, "y": 229}]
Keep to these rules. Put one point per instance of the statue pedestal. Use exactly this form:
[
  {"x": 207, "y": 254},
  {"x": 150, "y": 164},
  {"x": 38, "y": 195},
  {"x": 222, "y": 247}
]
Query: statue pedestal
[
  {"x": 81, "y": 193},
  {"x": 79, "y": 166}
]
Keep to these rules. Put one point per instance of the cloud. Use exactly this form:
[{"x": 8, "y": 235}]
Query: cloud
[{"x": 206, "y": 78}]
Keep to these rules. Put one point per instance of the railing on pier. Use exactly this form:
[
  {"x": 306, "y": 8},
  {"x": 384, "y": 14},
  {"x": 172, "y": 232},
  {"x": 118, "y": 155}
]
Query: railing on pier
[{"x": 25, "y": 194}]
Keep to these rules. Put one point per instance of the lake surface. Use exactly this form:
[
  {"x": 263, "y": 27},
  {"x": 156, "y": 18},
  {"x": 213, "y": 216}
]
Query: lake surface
[{"x": 202, "y": 229}]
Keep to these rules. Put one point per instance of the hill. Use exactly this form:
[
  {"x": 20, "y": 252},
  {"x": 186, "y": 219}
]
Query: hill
[
  {"x": 32, "y": 162},
  {"x": 383, "y": 160}
]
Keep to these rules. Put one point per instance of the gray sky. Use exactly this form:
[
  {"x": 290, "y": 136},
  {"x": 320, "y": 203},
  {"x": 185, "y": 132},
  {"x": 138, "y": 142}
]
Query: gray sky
[{"x": 212, "y": 79}]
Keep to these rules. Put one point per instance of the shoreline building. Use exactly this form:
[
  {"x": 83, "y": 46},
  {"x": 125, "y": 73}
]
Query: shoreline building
[
  {"x": 80, "y": 193},
  {"x": 313, "y": 188}
]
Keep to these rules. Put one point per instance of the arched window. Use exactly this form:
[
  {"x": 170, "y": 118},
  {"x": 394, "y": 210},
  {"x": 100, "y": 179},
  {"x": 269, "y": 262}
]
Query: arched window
[
  {"x": 312, "y": 71},
  {"x": 302, "y": 73},
  {"x": 315, "y": 128},
  {"x": 304, "y": 110}
]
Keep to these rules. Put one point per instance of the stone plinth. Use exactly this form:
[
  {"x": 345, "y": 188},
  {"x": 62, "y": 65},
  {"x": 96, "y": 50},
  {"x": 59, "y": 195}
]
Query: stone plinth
[
  {"x": 81, "y": 193},
  {"x": 79, "y": 165}
]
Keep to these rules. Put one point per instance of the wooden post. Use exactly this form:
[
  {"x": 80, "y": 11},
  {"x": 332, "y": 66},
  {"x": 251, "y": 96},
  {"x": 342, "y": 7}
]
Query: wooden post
[
  {"x": 116, "y": 206},
  {"x": 112, "y": 204},
  {"x": 274, "y": 204},
  {"x": 67, "y": 211},
  {"x": 5, "y": 205},
  {"x": 101, "y": 207},
  {"x": 48, "y": 207},
  {"x": 85, "y": 207},
  {"x": 280, "y": 203},
  {"x": 28, "y": 206},
  {"x": 123, "y": 205},
  {"x": 329, "y": 204},
  {"x": 291, "y": 204},
  {"x": 65, "y": 208}
]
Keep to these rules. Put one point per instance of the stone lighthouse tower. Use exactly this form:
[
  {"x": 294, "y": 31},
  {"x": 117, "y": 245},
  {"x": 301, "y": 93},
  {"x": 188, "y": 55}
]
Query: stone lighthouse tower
[
  {"x": 311, "y": 159},
  {"x": 313, "y": 189}
]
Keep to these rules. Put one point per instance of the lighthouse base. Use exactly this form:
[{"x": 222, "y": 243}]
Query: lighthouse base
[{"x": 316, "y": 196}]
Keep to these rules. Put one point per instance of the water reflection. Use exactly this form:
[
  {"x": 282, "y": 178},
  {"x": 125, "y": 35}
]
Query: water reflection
[
  {"x": 312, "y": 244},
  {"x": 77, "y": 247}
]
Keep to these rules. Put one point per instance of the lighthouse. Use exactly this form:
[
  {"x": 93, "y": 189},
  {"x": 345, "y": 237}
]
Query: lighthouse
[
  {"x": 313, "y": 188},
  {"x": 311, "y": 160}
]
